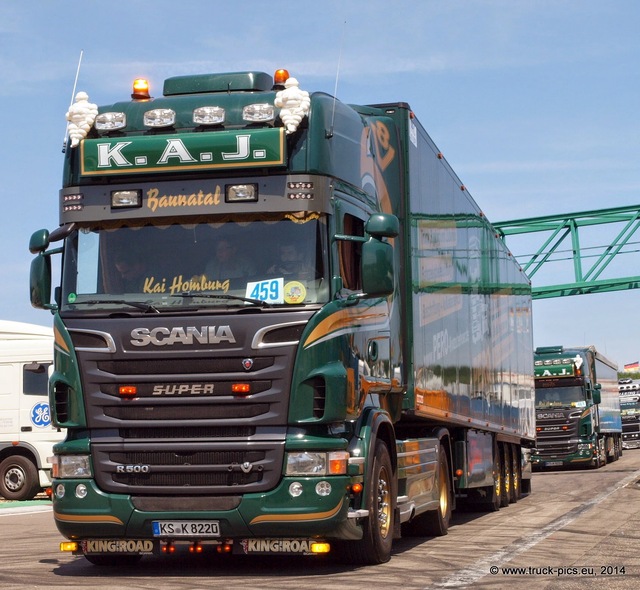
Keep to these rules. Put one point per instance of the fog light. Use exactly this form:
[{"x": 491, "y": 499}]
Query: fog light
[
  {"x": 241, "y": 192},
  {"x": 295, "y": 489},
  {"x": 208, "y": 115},
  {"x": 60, "y": 490},
  {"x": 323, "y": 488},
  {"x": 159, "y": 118},
  {"x": 126, "y": 198},
  {"x": 110, "y": 121},
  {"x": 258, "y": 112},
  {"x": 81, "y": 491}
]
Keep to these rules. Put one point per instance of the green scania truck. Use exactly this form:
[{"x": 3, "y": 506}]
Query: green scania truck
[
  {"x": 578, "y": 419},
  {"x": 283, "y": 326}
]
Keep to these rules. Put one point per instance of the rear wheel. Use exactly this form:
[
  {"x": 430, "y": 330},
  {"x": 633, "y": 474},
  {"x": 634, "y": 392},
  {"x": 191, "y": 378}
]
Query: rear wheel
[
  {"x": 494, "y": 493},
  {"x": 18, "y": 478},
  {"x": 375, "y": 546},
  {"x": 516, "y": 475},
  {"x": 505, "y": 464}
]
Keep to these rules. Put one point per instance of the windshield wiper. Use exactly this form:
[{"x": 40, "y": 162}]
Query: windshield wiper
[
  {"x": 146, "y": 307},
  {"x": 191, "y": 295}
]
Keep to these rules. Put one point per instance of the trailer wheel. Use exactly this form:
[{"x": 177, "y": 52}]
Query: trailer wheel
[
  {"x": 18, "y": 478},
  {"x": 516, "y": 475},
  {"x": 435, "y": 523},
  {"x": 375, "y": 546},
  {"x": 505, "y": 461},
  {"x": 494, "y": 492}
]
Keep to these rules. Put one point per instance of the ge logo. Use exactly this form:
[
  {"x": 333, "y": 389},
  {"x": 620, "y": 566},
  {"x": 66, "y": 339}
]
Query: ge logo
[{"x": 40, "y": 415}]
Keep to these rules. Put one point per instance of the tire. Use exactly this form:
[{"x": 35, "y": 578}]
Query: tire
[
  {"x": 494, "y": 492},
  {"x": 505, "y": 464},
  {"x": 375, "y": 546},
  {"x": 516, "y": 475},
  {"x": 18, "y": 478},
  {"x": 435, "y": 523},
  {"x": 113, "y": 560}
]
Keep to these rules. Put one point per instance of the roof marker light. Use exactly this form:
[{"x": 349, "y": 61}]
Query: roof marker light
[
  {"x": 280, "y": 77},
  {"x": 140, "y": 89}
]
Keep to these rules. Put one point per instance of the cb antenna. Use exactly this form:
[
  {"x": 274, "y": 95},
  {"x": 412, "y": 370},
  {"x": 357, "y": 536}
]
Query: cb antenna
[
  {"x": 329, "y": 133},
  {"x": 73, "y": 93}
]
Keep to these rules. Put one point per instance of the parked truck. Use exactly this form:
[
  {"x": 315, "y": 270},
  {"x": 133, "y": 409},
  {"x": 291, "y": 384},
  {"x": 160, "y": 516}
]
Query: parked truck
[
  {"x": 283, "y": 326},
  {"x": 629, "y": 390},
  {"x": 26, "y": 433},
  {"x": 578, "y": 418}
]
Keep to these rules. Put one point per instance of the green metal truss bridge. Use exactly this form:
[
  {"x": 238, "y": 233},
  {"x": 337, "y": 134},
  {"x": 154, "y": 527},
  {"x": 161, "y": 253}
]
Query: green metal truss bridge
[{"x": 598, "y": 249}]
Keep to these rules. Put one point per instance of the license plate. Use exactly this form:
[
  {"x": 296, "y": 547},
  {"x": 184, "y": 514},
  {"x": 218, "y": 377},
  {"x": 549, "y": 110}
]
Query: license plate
[
  {"x": 553, "y": 463},
  {"x": 186, "y": 528}
]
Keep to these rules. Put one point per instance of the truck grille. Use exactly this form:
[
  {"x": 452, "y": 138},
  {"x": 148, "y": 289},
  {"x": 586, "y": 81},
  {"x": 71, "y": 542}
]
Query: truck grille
[
  {"x": 211, "y": 468},
  {"x": 557, "y": 437},
  {"x": 185, "y": 429}
]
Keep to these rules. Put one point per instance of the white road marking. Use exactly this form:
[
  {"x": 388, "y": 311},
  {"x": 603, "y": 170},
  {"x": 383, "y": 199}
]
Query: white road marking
[{"x": 480, "y": 568}]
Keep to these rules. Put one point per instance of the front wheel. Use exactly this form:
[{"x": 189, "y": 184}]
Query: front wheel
[
  {"x": 18, "y": 478},
  {"x": 435, "y": 523},
  {"x": 375, "y": 545}
]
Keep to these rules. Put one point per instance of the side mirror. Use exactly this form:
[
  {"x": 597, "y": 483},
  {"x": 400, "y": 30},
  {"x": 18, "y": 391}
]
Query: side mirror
[
  {"x": 596, "y": 396},
  {"x": 40, "y": 282},
  {"x": 377, "y": 256},
  {"x": 377, "y": 268},
  {"x": 383, "y": 225},
  {"x": 39, "y": 241}
]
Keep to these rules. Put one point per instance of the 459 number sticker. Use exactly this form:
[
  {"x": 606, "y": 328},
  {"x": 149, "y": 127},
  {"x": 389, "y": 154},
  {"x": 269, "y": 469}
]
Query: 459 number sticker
[{"x": 276, "y": 291}]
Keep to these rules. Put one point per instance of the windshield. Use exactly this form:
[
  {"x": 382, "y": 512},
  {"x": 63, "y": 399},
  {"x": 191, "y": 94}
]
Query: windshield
[
  {"x": 560, "y": 397},
  {"x": 273, "y": 260}
]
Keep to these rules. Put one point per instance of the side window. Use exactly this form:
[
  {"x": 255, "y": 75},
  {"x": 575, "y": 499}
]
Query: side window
[
  {"x": 35, "y": 379},
  {"x": 350, "y": 253}
]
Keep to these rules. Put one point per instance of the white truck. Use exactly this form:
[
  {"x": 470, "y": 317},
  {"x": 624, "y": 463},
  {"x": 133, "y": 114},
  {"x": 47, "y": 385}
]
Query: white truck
[{"x": 26, "y": 433}]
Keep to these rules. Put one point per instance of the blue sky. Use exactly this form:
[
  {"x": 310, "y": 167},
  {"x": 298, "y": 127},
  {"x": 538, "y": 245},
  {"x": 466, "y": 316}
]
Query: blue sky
[{"x": 533, "y": 102}]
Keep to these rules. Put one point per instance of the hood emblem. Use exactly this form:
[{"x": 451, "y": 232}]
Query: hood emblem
[
  {"x": 247, "y": 364},
  {"x": 246, "y": 467}
]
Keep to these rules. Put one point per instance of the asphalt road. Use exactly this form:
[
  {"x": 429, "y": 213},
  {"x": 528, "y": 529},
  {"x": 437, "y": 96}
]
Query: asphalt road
[{"x": 578, "y": 529}]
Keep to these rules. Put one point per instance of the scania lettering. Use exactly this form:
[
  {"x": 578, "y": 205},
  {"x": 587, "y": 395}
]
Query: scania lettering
[
  {"x": 281, "y": 317},
  {"x": 578, "y": 419},
  {"x": 167, "y": 337}
]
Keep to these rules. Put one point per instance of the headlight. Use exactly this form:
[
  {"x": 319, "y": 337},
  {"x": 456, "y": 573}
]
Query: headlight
[
  {"x": 317, "y": 463},
  {"x": 71, "y": 466}
]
